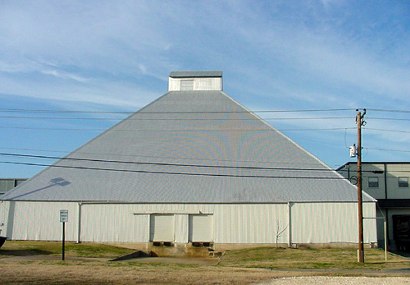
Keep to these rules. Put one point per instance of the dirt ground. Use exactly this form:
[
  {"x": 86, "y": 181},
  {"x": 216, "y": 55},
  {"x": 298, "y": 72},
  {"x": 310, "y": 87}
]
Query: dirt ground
[{"x": 41, "y": 269}]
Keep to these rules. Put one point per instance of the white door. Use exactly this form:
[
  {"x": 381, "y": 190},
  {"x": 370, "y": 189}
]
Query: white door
[
  {"x": 200, "y": 228},
  {"x": 162, "y": 227}
]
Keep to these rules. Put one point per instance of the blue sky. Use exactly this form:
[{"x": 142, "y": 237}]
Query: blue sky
[{"x": 275, "y": 55}]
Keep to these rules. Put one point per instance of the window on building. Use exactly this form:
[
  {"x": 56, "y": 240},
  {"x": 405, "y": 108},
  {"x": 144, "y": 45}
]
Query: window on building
[
  {"x": 403, "y": 182},
  {"x": 373, "y": 182}
]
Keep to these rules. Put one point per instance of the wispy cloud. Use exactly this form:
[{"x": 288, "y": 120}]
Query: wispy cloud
[
  {"x": 64, "y": 75},
  {"x": 274, "y": 54}
]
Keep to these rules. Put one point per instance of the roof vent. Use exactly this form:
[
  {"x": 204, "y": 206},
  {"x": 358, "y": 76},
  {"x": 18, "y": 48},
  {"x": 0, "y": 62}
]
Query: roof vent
[{"x": 195, "y": 80}]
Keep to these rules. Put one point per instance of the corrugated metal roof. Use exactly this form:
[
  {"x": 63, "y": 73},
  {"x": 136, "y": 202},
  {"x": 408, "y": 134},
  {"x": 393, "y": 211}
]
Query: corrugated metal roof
[
  {"x": 189, "y": 147},
  {"x": 191, "y": 74}
]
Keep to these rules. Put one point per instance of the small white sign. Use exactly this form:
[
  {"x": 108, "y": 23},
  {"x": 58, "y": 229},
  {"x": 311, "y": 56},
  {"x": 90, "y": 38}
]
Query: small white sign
[{"x": 63, "y": 216}]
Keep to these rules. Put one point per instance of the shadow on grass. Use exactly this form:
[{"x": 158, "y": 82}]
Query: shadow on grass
[
  {"x": 137, "y": 254},
  {"x": 405, "y": 254},
  {"x": 24, "y": 252}
]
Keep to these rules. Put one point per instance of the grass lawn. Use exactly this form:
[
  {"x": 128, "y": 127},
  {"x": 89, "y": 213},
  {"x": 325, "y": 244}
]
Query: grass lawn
[
  {"x": 262, "y": 257},
  {"x": 39, "y": 263},
  {"x": 312, "y": 258},
  {"x": 92, "y": 250}
]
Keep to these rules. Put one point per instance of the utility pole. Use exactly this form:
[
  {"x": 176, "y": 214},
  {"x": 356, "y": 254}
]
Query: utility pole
[{"x": 360, "y": 122}]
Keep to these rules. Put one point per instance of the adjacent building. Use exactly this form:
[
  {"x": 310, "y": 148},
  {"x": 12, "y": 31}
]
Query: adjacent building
[
  {"x": 388, "y": 182},
  {"x": 7, "y": 184},
  {"x": 193, "y": 168}
]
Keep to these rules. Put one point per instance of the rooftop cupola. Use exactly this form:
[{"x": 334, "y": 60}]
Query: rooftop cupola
[{"x": 195, "y": 80}]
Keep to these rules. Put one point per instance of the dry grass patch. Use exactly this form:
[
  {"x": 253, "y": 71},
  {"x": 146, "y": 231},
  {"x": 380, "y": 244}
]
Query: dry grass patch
[
  {"x": 311, "y": 258},
  {"x": 93, "y": 250}
]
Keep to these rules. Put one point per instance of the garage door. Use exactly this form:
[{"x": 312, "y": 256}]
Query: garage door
[
  {"x": 162, "y": 227},
  {"x": 200, "y": 228}
]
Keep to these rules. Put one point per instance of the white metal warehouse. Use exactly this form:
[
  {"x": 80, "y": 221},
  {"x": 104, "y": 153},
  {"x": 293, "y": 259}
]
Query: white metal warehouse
[{"x": 194, "y": 166}]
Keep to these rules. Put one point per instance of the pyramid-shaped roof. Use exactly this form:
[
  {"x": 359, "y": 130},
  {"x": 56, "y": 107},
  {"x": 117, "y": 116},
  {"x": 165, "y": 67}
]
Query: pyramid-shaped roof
[{"x": 188, "y": 147}]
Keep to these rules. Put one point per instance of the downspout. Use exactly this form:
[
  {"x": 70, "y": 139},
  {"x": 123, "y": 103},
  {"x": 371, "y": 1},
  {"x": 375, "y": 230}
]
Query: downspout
[
  {"x": 79, "y": 222},
  {"x": 289, "y": 224}
]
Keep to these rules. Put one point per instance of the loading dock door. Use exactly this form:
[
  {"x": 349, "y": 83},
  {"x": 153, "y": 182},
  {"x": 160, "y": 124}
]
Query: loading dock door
[
  {"x": 200, "y": 228},
  {"x": 162, "y": 228}
]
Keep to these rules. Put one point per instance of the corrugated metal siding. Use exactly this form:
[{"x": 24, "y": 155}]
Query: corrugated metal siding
[
  {"x": 40, "y": 220},
  {"x": 241, "y": 223},
  {"x": 181, "y": 228},
  {"x": 194, "y": 84},
  {"x": 201, "y": 228},
  {"x": 250, "y": 223},
  {"x": 331, "y": 222},
  {"x": 4, "y": 212},
  {"x": 162, "y": 227},
  {"x": 114, "y": 223}
]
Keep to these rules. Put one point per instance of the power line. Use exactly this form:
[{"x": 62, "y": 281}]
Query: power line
[
  {"x": 388, "y": 119},
  {"x": 177, "y": 130},
  {"x": 387, "y": 149},
  {"x": 171, "y": 119},
  {"x": 174, "y": 173},
  {"x": 161, "y": 163},
  {"x": 387, "y": 130},
  {"x": 15, "y": 110},
  {"x": 9, "y": 110},
  {"x": 195, "y": 119},
  {"x": 158, "y": 157},
  {"x": 388, "y": 110},
  {"x": 172, "y": 164}
]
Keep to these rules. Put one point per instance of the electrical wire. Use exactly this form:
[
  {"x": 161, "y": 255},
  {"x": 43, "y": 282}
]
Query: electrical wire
[
  {"x": 386, "y": 130},
  {"x": 387, "y": 119},
  {"x": 158, "y": 157},
  {"x": 10, "y": 110},
  {"x": 174, "y": 164},
  {"x": 171, "y": 119},
  {"x": 176, "y": 130},
  {"x": 387, "y": 149},
  {"x": 20, "y": 110},
  {"x": 162, "y": 163},
  {"x": 388, "y": 110},
  {"x": 44, "y": 111},
  {"x": 174, "y": 173}
]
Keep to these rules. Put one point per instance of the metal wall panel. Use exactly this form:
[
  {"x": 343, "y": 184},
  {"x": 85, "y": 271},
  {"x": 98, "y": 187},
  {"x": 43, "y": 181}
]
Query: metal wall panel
[
  {"x": 331, "y": 222},
  {"x": 162, "y": 227},
  {"x": 4, "y": 210},
  {"x": 40, "y": 220},
  {"x": 247, "y": 223},
  {"x": 232, "y": 223},
  {"x": 176, "y": 84},
  {"x": 181, "y": 228},
  {"x": 201, "y": 228},
  {"x": 113, "y": 223},
  {"x": 394, "y": 171},
  {"x": 187, "y": 85}
]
